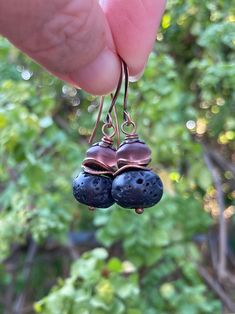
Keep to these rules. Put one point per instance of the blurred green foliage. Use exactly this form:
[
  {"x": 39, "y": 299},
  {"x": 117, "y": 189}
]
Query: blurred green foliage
[{"x": 185, "y": 98}]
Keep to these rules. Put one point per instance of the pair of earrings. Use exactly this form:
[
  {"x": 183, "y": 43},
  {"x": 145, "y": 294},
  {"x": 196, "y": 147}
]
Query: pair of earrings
[{"x": 118, "y": 175}]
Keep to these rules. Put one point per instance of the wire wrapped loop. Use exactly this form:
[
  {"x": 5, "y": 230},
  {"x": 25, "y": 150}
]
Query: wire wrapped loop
[{"x": 133, "y": 131}]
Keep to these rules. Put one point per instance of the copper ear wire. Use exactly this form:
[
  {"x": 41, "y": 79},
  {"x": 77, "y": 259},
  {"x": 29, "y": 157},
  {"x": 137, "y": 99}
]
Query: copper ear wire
[
  {"x": 116, "y": 124},
  {"x": 93, "y": 134},
  {"x": 116, "y": 94},
  {"x": 126, "y": 115},
  {"x": 108, "y": 123}
]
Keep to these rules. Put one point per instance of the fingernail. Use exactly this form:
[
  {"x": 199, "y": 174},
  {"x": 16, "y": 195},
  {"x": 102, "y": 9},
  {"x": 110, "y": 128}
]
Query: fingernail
[{"x": 135, "y": 78}]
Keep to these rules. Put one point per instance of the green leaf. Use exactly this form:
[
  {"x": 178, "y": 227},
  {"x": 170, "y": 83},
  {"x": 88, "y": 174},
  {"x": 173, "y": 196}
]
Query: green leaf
[{"x": 115, "y": 265}]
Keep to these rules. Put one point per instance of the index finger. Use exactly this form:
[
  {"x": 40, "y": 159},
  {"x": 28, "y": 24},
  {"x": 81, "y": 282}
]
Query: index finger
[{"x": 134, "y": 24}]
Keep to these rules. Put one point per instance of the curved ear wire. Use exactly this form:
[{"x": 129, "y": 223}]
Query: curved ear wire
[
  {"x": 93, "y": 134},
  {"x": 126, "y": 115},
  {"x": 116, "y": 123},
  {"x": 116, "y": 94},
  {"x": 126, "y": 74},
  {"x": 112, "y": 106}
]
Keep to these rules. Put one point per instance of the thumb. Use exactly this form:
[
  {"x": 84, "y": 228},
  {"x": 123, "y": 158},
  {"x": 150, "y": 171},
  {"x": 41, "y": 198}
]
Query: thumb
[{"x": 70, "y": 38}]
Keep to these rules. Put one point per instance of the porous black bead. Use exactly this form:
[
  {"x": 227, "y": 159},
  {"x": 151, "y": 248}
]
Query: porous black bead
[
  {"x": 137, "y": 189},
  {"x": 93, "y": 190}
]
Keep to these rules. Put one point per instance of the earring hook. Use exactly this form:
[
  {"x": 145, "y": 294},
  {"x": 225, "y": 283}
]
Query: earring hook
[
  {"x": 126, "y": 115},
  {"x": 93, "y": 134},
  {"x": 108, "y": 120}
]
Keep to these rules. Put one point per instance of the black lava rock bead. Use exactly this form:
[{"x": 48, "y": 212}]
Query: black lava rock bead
[
  {"x": 93, "y": 190},
  {"x": 137, "y": 189}
]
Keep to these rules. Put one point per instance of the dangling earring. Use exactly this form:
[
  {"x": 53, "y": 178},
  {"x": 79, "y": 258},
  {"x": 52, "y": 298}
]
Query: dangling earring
[
  {"x": 93, "y": 186},
  {"x": 122, "y": 175},
  {"x": 135, "y": 185}
]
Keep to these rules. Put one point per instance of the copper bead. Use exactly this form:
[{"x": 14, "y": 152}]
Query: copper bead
[
  {"x": 100, "y": 156},
  {"x": 133, "y": 152}
]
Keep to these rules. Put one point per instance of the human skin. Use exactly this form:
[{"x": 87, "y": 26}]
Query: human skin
[{"x": 80, "y": 41}]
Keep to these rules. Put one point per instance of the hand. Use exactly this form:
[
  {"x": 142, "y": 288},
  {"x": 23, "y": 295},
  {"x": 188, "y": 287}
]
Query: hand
[{"x": 79, "y": 40}]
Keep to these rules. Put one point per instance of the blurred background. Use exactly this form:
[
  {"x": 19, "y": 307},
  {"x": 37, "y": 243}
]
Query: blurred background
[{"x": 178, "y": 257}]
